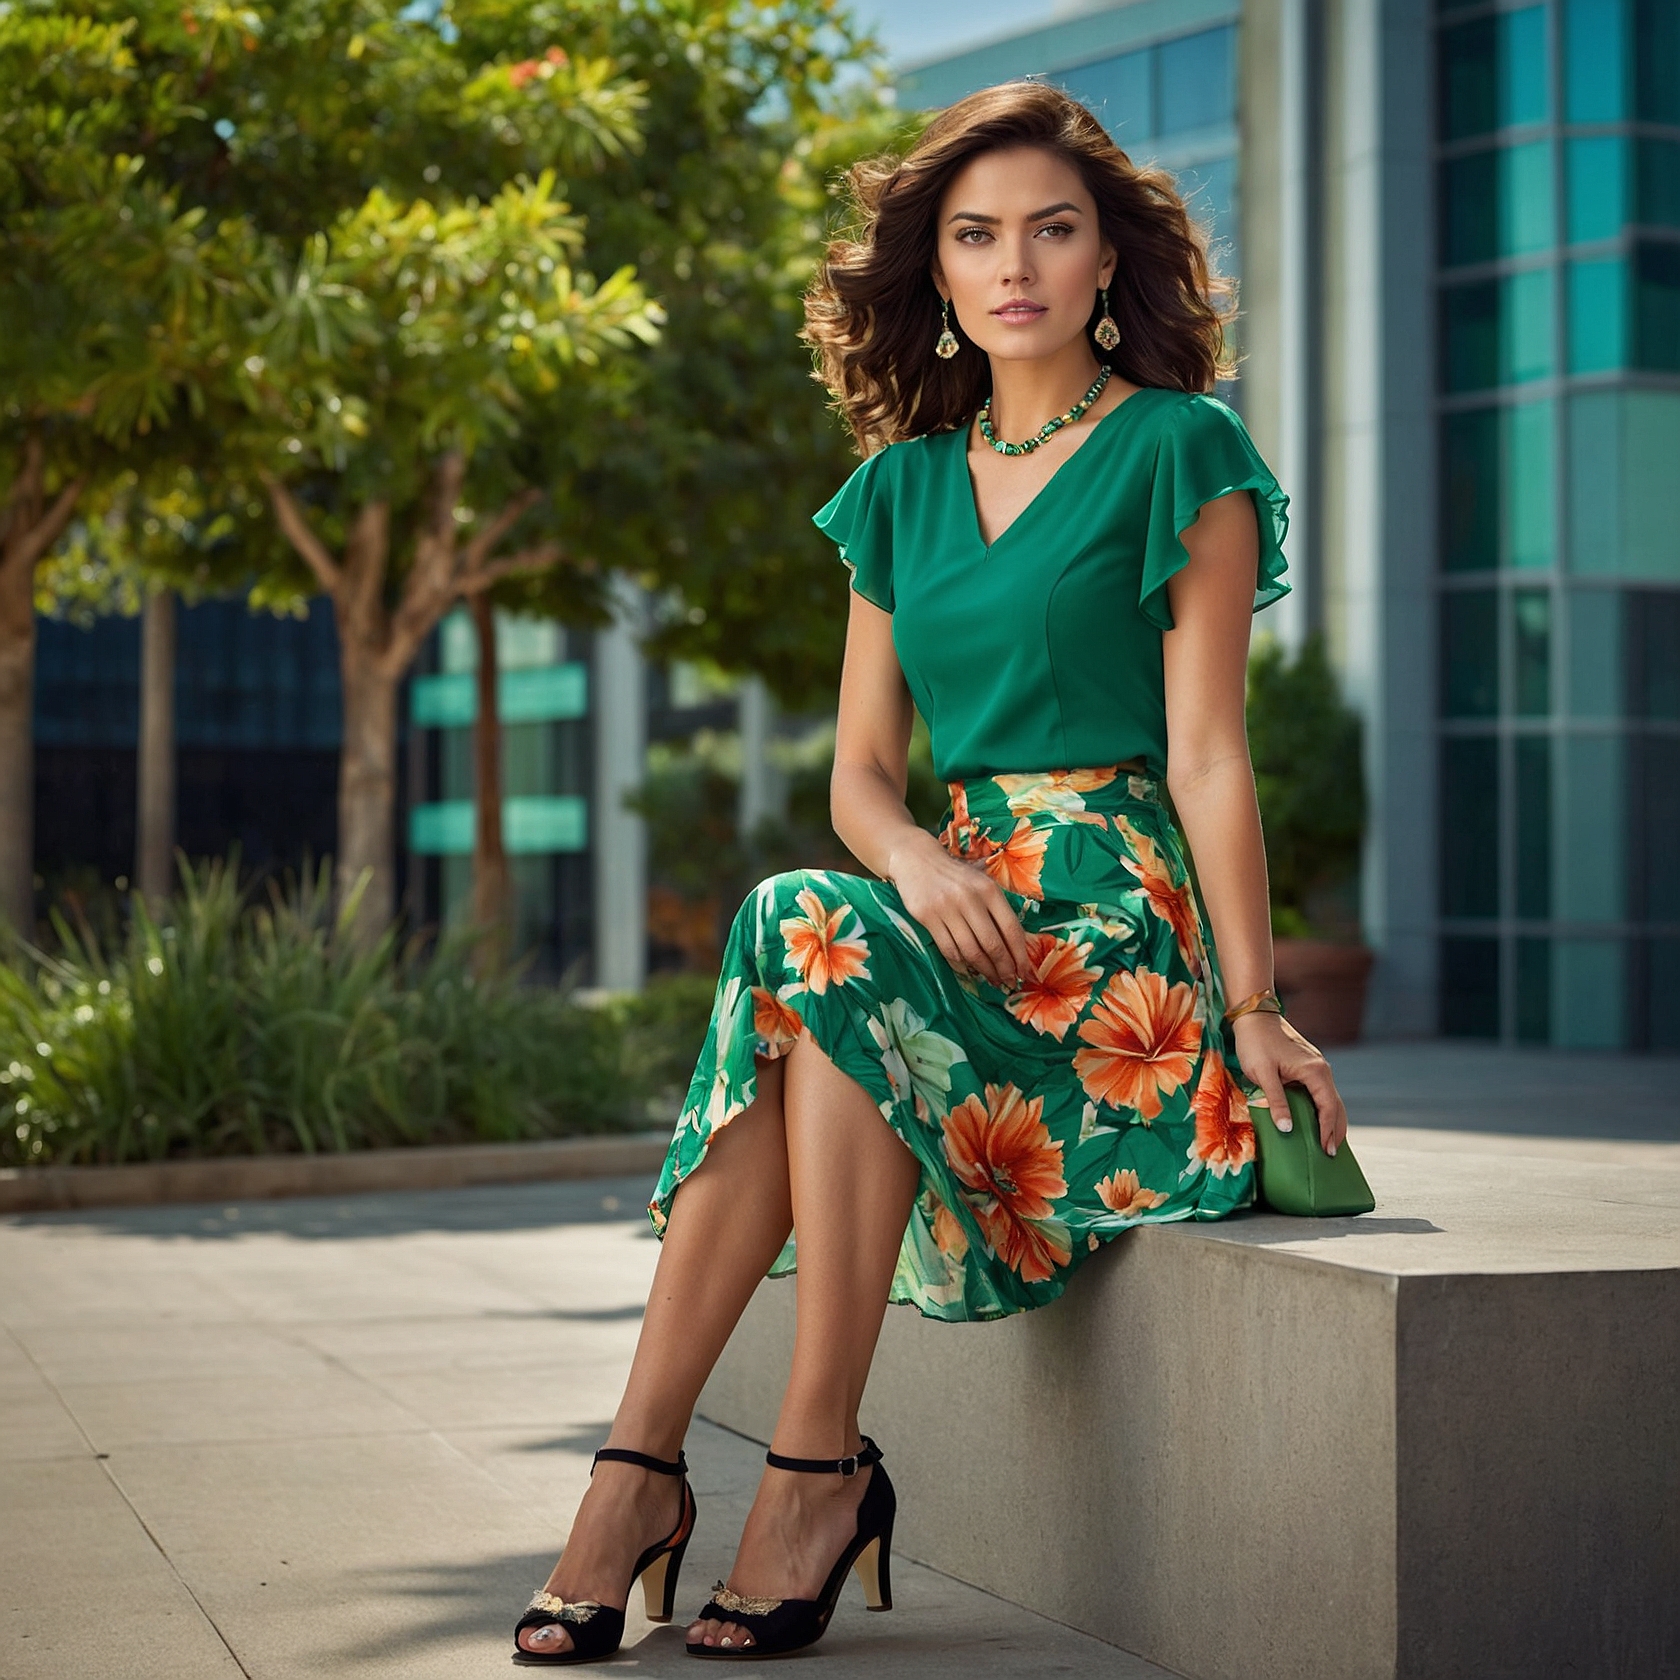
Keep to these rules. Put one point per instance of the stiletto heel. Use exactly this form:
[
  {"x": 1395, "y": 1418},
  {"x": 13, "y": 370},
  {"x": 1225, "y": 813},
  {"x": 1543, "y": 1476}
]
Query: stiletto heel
[
  {"x": 782, "y": 1625},
  {"x": 596, "y": 1630}
]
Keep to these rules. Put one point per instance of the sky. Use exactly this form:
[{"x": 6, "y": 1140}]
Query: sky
[{"x": 916, "y": 29}]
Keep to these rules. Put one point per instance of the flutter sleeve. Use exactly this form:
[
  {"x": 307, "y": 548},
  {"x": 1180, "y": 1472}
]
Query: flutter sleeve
[
  {"x": 1205, "y": 452},
  {"x": 859, "y": 519}
]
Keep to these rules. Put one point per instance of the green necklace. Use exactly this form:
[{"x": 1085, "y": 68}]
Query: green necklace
[{"x": 1050, "y": 427}]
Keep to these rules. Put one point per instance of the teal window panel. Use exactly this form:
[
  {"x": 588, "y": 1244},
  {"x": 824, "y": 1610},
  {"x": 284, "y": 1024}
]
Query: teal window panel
[
  {"x": 1657, "y": 186},
  {"x": 1470, "y": 653},
  {"x": 1596, "y": 181},
  {"x": 1656, "y": 307},
  {"x": 1497, "y": 471},
  {"x": 1650, "y": 487},
  {"x": 1598, "y": 317},
  {"x": 1595, "y": 653},
  {"x": 1589, "y": 988},
  {"x": 1493, "y": 73},
  {"x": 1531, "y": 648},
  {"x": 1196, "y": 81},
  {"x": 521, "y": 640},
  {"x": 1656, "y": 57},
  {"x": 1534, "y": 991},
  {"x": 1498, "y": 332},
  {"x": 1528, "y": 526},
  {"x": 1469, "y": 994},
  {"x": 1470, "y": 826},
  {"x": 1533, "y": 769},
  {"x": 1118, "y": 92},
  {"x": 543, "y": 695},
  {"x": 1589, "y": 875},
  {"x": 1594, "y": 484},
  {"x": 1498, "y": 203},
  {"x": 530, "y": 825},
  {"x": 1595, "y": 67}
]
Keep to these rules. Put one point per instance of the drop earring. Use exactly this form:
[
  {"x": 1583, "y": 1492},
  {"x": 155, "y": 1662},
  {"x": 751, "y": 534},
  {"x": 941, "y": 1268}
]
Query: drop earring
[
  {"x": 1106, "y": 333},
  {"x": 946, "y": 346}
]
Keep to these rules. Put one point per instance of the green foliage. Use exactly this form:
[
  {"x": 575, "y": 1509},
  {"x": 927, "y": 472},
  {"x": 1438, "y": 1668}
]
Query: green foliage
[
  {"x": 232, "y": 1026},
  {"x": 1308, "y": 771}
]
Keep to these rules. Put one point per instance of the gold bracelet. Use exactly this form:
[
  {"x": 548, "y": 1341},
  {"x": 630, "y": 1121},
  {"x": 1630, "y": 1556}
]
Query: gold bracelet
[{"x": 1265, "y": 1002}]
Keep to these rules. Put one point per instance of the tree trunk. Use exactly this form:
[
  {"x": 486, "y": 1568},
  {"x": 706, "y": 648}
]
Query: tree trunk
[
  {"x": 17, "y": 746},
  {"x": 154, "y": 849},
  {"x": 492, "y": 885},
  {"x": 367, "y": 788},
  {"x": 29, "y": 528}
]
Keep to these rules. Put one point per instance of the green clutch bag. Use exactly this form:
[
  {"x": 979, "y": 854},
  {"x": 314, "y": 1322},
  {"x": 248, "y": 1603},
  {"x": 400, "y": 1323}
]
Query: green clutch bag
[{"x": 1296, "y": 1176}]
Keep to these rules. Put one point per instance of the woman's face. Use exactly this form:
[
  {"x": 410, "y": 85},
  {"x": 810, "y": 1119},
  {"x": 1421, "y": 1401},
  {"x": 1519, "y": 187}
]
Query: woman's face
[{"x": 1020, "y": 253}]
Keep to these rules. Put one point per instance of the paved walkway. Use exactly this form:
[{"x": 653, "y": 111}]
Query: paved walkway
[{"x": 344, "y": 1436}]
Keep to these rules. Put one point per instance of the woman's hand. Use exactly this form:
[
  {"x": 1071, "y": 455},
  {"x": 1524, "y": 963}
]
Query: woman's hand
[
  {"x": 1273, "y": 1055},
  {"x": 964, "y": 911}
]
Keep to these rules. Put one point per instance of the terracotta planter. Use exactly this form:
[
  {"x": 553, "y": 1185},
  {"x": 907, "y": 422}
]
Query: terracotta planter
[{"x": 1322, "y": 984}]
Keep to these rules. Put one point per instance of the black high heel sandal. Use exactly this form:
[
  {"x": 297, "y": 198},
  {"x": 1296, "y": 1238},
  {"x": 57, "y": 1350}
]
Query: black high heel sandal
[
  {"x": 781, "y": 1625},
  {"x": 597, "y": 1629}
]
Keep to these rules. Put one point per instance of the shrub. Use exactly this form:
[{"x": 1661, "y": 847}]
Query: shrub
[
  {"x": 1309, "y": 774},
  {"x": 231, "y": 1026}
]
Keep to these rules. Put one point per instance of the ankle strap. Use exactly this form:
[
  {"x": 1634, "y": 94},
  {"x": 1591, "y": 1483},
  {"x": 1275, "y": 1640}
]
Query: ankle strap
[
  {"x": 623, "y": 1455},
  {"x": 871, "y": 1454}
]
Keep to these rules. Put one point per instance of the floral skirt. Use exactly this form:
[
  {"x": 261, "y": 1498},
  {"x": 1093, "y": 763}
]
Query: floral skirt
[{"x": 1097, "y": 1095}]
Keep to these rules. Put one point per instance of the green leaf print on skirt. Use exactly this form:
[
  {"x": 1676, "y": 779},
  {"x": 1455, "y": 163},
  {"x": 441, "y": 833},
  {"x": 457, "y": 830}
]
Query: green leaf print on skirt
[{"x": 1046, "y": 1120}]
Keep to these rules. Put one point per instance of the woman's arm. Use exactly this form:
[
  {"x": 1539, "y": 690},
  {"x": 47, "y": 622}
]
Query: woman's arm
[
  {"x": 961, "y": 907},
  {"x": 1210, "y": 777}
]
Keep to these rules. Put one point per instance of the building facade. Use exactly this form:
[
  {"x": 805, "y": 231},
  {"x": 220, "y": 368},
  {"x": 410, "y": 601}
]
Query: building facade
[{"x": 1457, "y": 234}]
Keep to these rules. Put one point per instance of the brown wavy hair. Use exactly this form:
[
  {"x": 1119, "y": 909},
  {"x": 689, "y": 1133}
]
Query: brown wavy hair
[{"x": 873, "y": 311}]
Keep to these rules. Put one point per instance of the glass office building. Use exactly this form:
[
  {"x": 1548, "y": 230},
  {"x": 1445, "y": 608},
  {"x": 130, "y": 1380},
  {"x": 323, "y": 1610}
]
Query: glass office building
[
  {"x": 1456, "y": 227},
  {"x": 1557, "y": 162}
]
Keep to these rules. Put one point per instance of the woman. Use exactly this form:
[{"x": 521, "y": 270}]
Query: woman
[{"x": 954, "y": 1082}]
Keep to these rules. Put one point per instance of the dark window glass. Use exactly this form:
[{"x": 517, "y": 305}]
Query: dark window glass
[
  {"x": 1470, "y": 490},
  {"x": 1656, "y": 57},
  {"x": 1653, "y": 667},
  {"x": 1655, "y": 789},
  {"x": 1493, "y": 73},
  {"x": 1469, "y": 194},
  {"x": 1594, "y": 61},
  {"x": 1497, "y": 203},
  {"x": 1497, "y": 332},
  {"x": 1197, "y": 81},
  {"x": 1534, "y": 826},
  {"x": 1117, "y": 93},
  {"x": 1470, "y": 653},
  {"x": 87, "y": 683},
  {"x": 1596, "y": 184},
  {"x": 1656, "y": 307},
  {"x": 1470, "y": 988},
  {"x": 1664, "y": 994},
  {"x": 1531, "y": 617},
  {"x": 1470, "y": 826},
  {"x": 1534, "y": 991},
  {"x": 1657, "y": 187}
]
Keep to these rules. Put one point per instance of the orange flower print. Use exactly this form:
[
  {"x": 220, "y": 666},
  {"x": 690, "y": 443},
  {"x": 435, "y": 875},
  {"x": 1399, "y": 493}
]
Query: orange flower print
[
  {"x": 948, "y": 1234},
  {"x": 1169, "y": 899},
  {"x": 777, "y": 1023},
  {"x": 1057, "y": 791},
  {"x": 1058, "y": 986},
  {"x": 816, "y": 949},
  {"x": 1000, "y": 1148},
  {"x": 1123, "y": 1193},
  {"x": 957, "y": 834},
  {"x": 1224, "y": 1141},
  {"x": 1016, "y": 864},
  {"x": 1144, "y": 1036}
]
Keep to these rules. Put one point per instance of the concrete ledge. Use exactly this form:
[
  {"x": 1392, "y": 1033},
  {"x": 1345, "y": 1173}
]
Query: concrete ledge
[
  {"x": 1436, "y": 1441},
  {"x": 259, "y": 1177}
]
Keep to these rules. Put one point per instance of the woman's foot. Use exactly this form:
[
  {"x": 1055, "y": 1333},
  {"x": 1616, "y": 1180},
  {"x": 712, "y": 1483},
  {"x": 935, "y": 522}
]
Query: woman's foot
[
  {"x": 625, "y": 1510},
  {"x": 797, "y": 1529}
]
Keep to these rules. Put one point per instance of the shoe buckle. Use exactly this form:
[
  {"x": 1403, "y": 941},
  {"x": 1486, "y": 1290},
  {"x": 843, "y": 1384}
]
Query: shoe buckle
[{"x": 848, "y": 1466}]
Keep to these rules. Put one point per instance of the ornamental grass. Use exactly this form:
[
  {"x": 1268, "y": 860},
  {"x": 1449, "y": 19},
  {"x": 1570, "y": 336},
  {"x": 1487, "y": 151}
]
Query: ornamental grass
[{"x": 242, "y": 1022}]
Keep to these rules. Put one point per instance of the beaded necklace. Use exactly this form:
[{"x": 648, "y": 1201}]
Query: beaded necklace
[{"x": 1050, "y": 427}]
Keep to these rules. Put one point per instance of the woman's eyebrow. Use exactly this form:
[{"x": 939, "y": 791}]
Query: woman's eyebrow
[{"x": 1036, "y": 216}]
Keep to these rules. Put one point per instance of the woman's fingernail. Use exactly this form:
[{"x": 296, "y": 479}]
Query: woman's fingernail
[
  {"x": 1331, "y": 1150},
  {"x": 1286, "y": 1125}
]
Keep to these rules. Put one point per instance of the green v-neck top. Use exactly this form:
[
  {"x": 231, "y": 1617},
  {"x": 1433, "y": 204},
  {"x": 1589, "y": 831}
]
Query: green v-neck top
[{"x": 1043, "y": 651}]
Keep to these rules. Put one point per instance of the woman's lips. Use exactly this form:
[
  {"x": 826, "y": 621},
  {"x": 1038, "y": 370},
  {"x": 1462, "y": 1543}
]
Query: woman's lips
[{"x": 1020, "y": 311}]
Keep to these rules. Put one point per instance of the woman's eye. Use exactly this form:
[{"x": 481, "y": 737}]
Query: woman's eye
[
  {"x": 963, "y": 234},
  {"x": 1055, "y": 227}
]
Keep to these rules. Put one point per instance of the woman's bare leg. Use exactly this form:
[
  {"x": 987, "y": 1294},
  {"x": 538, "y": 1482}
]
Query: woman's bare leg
[
  {"x": 728, "y": 1223},
  {"x": 853, "y": 1183}
]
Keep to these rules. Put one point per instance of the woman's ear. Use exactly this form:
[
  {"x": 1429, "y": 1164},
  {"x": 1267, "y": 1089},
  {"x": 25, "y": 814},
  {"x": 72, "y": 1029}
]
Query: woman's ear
[
  {"x": 1107, "y": 264},
  {"x": 939, "y": 281}
]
